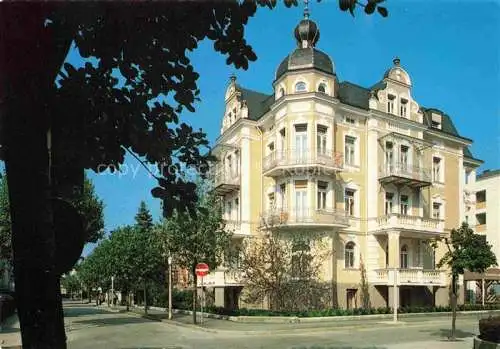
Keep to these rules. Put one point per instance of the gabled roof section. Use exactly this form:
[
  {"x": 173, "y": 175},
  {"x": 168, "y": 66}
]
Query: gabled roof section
[
  {"x": 447, "y": 126},
  {"x": 258, "y": 103},
  {"x": 354, "y": 95}
]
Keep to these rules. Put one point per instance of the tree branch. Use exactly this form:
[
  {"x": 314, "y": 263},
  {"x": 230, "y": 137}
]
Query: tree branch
[{"x": 140, "y": 161}]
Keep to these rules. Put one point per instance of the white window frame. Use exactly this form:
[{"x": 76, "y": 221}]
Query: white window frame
[
  {"x": 403, "y": 107},
  {"x": 408, "y": 204},
  {"x": 322, "y": 196},
  {"x": 350, "y": 160},
  {"x": 349, "y": 120},
  {"x": 350, "y": 263},
  {"x": 322, "y": 83},
  {"x": 322, "y": 139},
  {"x": 441, "y": 169},
  {"x": 300, "y": 83},
  {"x": 404, "y": 256},
  {"x": 352, "y": 203},
  {"x": 391, "y": 98},
  {"x": 388, "y": 203},
  {"x": 439, "y": 209}
]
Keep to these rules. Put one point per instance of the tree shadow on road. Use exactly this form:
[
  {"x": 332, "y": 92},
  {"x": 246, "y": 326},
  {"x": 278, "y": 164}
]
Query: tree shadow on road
[
  {"x": 75, "y": 312},
  {"x": 446, "y": 333},
  {"x": 115, "y": 321}
]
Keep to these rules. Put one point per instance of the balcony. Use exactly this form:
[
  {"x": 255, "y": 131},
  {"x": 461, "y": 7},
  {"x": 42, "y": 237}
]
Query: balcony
[
  {"x": 226, "y": 181},
  {"x": 292, "y": 161},
  {"x": 282, "y": 218},
  {"x": 404, "y": 277},
  {"x": 405, "y": 174},
  {"x": 410, "y": 223}
]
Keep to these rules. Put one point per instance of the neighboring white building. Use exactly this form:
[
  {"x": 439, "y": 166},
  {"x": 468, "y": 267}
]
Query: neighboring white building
[
  {"x": 484, "y": 216},
  {"x": 482, "y": 212}
]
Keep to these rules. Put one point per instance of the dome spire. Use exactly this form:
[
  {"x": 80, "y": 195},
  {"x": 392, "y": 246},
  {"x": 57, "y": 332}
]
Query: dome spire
[
  {"x": 306, "y": 32},
  {"x": 306, "y": 9}
]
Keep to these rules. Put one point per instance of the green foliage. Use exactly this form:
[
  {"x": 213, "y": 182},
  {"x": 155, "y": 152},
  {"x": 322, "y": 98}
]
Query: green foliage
[
  {"x": 467, "y": 251},
  {"x": 143, "y": 219},
  {"x": 365, "y": 289},
  {"x": 195, "y": 240},
  {"x": 71, "y": 283},
  {"x": 489, "y": 329}
]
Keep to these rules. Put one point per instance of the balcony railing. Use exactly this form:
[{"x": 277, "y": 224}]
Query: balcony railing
[
  {"x": 417, "y": 276},
  {"x": 403, "y": 171},
  {"x": 399, "y": 221},
  {"x": 308, "y": 216},
  {"x": 225, "y": 181},
  {"x": 310, "y": 157}
]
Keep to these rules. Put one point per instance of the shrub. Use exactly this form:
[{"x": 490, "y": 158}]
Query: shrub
[
  {"x": 182, "y": 299},
  {"x": 489, "y": 329}
]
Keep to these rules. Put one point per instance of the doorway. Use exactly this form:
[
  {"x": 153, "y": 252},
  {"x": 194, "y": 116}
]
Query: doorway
[{"x": 351, "y": 298}]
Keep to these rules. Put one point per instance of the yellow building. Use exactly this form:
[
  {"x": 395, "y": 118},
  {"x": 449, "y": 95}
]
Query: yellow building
[{"x": 370, "y": 166}]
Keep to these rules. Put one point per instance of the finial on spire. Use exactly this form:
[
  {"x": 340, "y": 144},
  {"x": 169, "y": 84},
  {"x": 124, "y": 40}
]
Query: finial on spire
[
  {"x": 233, "y": 77},
  {"x": 306, "y": 9},
  {"x": 396, "y": 61}
]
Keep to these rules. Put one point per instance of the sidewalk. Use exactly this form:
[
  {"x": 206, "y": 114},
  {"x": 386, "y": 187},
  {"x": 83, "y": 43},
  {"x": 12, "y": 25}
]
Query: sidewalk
[
  {"x": 225, "y": 326},
  {"x": 10, "y": 333}
]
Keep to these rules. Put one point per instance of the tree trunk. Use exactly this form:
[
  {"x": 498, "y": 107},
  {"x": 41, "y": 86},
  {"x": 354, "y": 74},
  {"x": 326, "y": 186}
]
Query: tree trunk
[
  {"x": 195, "y": 295},
  {"x": 35, "y": 55},
  {"x": 453, "y": 306}
]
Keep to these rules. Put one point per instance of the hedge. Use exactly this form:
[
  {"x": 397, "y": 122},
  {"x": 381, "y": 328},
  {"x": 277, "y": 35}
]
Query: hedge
[
  {"x": 341, "y": 312},
  {"x": 489, "y": 329}
]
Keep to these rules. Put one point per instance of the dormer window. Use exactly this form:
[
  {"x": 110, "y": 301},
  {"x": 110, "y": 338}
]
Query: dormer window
[
  {"x": 390, "y": 103},
  {"x": 436, "y": 121},
  {"x": 322, "y": 88},
  {"x": 300, "y": 86},
  {"x": 402, "y": 109}
]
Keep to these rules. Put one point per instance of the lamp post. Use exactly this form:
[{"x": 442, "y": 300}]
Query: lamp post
[{"x": 169, "y": 286}]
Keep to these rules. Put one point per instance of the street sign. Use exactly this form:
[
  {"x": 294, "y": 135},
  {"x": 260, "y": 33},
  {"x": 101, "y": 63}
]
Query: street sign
[{"x": 201, "y": 269}]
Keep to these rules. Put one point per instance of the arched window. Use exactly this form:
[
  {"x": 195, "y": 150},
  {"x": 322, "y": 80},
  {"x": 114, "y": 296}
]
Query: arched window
[
  {"x": 281, "y": 92},
  {"x": 403, "y": 257},
  {"x": 349, "y": 255},
  {"x": 322, "y": 88},
  {"x": 300, "y": 86}
]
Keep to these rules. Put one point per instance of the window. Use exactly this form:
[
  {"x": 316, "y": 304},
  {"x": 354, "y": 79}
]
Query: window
[
  {"x": 436, "y": 169},
  {"x": 229, "y": 209},
  {"x": 321, "y": 139},
  {"x": 404, "y": 205},
  {"x": 300, "y": 200},
  {"x": 270, "y": 146},
  {"x": 322, "y": 88},
  {"x": 322, "y": 191},
  {"x": 349, "y": 255},
  {"x": 229, "y": 162},
  {"x": 388, "y": 203},
  {"x": 389, "y": 155},
  {"x": 350, "y": 143},
  {"x": 436, "y": 121},
  {"x": 237, "y": 208},
  {"x": 300, "y": 142},
  {"x": 349, "y": 202},
  {"x": 404, "y": 158},
  {"x": 390, "y": 103},
  {"x": 281, "y": 92},
  {"x": 436, "y": 210},
  {"x": 350, "y": 120},
  {"x": 403, "y": 107},
  {"x": 283, "y": 139},
  {"x": 481, "y": 218},
  {"x": 403, "y": 258},
  {"x": 481, "y": 196},
  {"x": 271, "y": 201},
  {"x": 283, "y": 195},
  {"x": 300, "y": 86}
]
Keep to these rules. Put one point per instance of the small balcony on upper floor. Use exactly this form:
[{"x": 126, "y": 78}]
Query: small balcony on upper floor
[
  {"x": 399, "y": 173},
  {"x": 225, "y": 181},
  {"x": 301, "y": 161},
  {"x": 407, "y": 223},
  {"x": 306, "y": 217}
]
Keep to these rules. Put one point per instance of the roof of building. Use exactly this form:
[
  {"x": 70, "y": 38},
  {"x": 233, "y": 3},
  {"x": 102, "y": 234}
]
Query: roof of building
[
  {"x": 488, "y": 174},
  {"x": 306, "y": 58},
  {"x": 258, "y": 103},
  {"x": 354, "y": 95}
]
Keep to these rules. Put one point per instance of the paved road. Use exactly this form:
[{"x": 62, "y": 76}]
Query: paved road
[
  {"x": 97, "y": 328},
  {"x": 91, "y": 327}
]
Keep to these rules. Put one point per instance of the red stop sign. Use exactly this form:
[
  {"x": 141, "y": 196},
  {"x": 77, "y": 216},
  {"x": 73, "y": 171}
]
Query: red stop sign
[{"x": 201, "y": 269}]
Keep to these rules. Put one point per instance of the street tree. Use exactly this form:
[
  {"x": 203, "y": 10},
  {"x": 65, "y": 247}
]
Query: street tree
[
  {"x": 285, "y": 268},
  {"x": 71, "y": 283},
  {"x": 203, "y": 239},
  {"x": 465, "y": 251},
  {"x": 88, "y": 204},
  {"x": 93, "y": 115}
]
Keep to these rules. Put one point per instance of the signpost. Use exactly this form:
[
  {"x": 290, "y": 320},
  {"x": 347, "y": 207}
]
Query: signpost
[{"x": 201, "y": 271}]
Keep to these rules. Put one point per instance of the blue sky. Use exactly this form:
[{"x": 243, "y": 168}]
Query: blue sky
[{"x": 449, "y": 48}]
